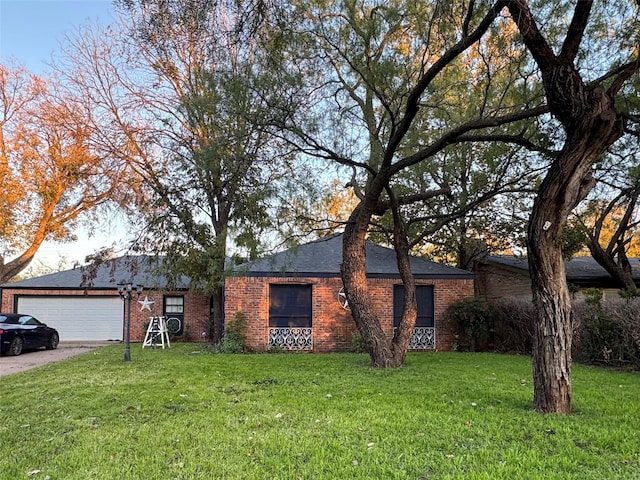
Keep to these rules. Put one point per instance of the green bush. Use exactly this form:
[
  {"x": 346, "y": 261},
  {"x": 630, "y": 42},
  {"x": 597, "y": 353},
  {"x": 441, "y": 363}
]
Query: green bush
[
  {"x": 234, "y": 338},
  {"x": 357, "y": 343},
  {"x": 593, "y": 296},
  {"x": 476, "y": 318}
]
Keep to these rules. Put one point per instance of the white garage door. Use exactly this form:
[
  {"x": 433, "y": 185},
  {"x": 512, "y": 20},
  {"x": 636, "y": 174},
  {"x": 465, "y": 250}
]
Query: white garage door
[{"x": 77, "y": 318}]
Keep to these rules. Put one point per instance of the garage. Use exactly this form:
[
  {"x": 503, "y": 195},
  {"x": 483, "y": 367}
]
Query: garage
[{"x": 77, "y": 318}]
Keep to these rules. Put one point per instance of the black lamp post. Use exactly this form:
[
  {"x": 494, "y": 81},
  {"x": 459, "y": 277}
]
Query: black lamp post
[{"x": 125, "y": 290}]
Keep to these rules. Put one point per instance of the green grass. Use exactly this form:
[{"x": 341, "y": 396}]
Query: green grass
[{"x": 184, "y": 413}]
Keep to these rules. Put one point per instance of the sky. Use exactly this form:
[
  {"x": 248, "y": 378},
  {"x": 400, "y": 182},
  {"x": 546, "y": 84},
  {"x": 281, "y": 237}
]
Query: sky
[{"x": 30, "y": 31}]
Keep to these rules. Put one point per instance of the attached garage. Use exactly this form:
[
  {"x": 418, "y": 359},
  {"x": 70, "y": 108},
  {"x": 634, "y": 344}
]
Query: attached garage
[
  {"x": 77, "y": 318},
  {"x": 83, "y": 303}
]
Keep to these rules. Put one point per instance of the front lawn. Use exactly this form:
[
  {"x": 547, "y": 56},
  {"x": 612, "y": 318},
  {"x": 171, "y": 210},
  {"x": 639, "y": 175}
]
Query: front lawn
[{"x": 184, "y": 413}]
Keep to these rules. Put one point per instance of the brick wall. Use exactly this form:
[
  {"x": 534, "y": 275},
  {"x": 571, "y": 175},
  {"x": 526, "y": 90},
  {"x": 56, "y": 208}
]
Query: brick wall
[
  {"x": 196, "y": 309},
  {"x": 333, "y": 326},
  {"x": 196, "y": 315},
  {"x": 495, "y": 282}
]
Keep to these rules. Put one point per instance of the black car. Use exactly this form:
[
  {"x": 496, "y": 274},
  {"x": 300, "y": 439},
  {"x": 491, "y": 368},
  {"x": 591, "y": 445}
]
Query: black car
[{"x": 20, "y": 332}]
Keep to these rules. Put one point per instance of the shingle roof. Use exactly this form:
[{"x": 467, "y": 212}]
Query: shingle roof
[
  {"x": 323, "y": 257},
  {"x": 135, "y": 269},
  {"x": 580, "y": 270},
  {"x": 320, "y": 258}
]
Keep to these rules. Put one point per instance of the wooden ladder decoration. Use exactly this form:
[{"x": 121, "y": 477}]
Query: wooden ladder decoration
[{"x": 157, "y": 333}]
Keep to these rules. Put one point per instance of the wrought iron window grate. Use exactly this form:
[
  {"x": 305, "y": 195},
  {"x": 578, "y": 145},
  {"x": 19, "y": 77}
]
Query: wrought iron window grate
[
  {"x": 291, "y": 338},
  {"x": 422, "y": 338}
]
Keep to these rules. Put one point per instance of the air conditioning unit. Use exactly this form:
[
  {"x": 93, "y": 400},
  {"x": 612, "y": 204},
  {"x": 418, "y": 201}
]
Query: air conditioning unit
[{"x": 175, "y": 325}]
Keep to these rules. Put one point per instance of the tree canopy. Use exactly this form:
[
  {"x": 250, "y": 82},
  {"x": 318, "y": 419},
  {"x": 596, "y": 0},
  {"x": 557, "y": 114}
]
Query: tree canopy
[
  {"x": 53, "y": 179},
  {"x": 381, "y": 96},
  {"x": 177, "y": 95}
]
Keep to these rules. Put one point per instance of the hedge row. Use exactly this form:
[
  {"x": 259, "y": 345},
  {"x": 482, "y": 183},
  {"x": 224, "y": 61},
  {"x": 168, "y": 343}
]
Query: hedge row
[{"x": 605, "y": 332}]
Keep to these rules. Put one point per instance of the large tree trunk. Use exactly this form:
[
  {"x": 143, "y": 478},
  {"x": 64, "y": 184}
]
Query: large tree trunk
[
  {"x": 14, "y": 267},
  {"x": 402, "y": 336},
  {"x": 385, "y": 352},
  {"x": 217, "y": 264},
  {"x": 591, "y": 124},
  {"x": 354, "y": 278},
  {"x": 566, "y": 184},
  {"x": 553, "y": 330},
  {"x": 216, "y": 327}
]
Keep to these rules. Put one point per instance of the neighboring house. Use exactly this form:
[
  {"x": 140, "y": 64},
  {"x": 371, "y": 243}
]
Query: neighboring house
[
  {"x": 295, "y": 300},
  {"x": 85, "y": 305},
  {"x": 507, "y": 276}
]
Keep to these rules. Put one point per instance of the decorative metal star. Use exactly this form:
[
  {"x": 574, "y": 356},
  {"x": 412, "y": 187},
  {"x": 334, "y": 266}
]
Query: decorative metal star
[
  {"x": 145, "y": 304},
  {"x": 342, "y": 298}
]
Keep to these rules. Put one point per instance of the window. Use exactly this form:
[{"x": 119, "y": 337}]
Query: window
[
  {"x": 289, "y": 305},
  {"x": 27, "y": 320},
  {"x": 424, "y": 295},
  {"x": 174, "y": 311},
  {"x": 423, "y": 336},
  {"x": 173, "y": 305}
]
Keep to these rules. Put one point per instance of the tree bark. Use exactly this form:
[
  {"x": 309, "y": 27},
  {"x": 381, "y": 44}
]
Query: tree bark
[
  {"x": 10, "y": 269},
  {"x": 354, "y": 278},
  {"x": 218, "y": 258},
  {"x": 553, "y": 330},
  {"x": 566, "y": 184},
  {"x": 216, "y": 324},
  {"x": 591, "y": 124},
  {"x": 402, "y": 336},
  {"x": 385, "y": 351},
  {"x": 14, "y": 267}
]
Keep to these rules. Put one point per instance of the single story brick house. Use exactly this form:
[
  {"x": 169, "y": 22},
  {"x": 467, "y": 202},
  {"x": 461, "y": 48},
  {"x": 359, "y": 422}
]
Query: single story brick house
[
  {"x": 84, "y": 304},
  {"x": 295, "y": 300},
  {"x": 507, "y": 276},
  {"x": 291, "y": 300}
]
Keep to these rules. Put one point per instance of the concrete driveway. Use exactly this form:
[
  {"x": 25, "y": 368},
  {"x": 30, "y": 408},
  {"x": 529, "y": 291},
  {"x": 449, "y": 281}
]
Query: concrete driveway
[{"x": 37, "y": 358}]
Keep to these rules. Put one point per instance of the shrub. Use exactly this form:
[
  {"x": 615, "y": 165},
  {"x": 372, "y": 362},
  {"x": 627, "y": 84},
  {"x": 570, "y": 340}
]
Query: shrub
[
  {"x": 234, "y": 339},
  {"x": 357, "y": 343},
  {"x": 476, "y": 318},
  {"x": 607, "y": 331},
  {"x": 604, "y": 331},
  {"x": 628, "y": 294},
  {"x": 626, "y": 314},
  {"x": 513, "y": 326},
  {"x": 593, "y": 296}
]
